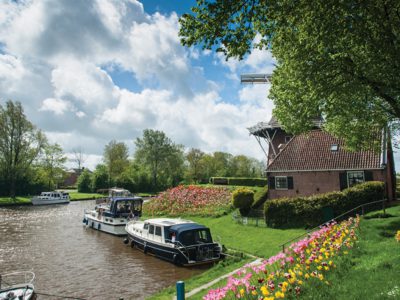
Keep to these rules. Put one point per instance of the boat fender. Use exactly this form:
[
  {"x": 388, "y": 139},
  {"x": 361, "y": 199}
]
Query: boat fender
[
  {"x": 99, "y": 226},
  {"x": 132, "y": 244},
  {"x": 92, "y": 224},
  {"x": 145, "y": 248},
  {"x": 175, "y": 259},
  {"x": 84, "y": 221},
  {"x": 126, "y": 241}
]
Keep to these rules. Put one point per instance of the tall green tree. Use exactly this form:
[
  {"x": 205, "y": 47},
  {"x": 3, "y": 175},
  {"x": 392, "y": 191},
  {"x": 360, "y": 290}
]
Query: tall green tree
[
  {"x": 163, "y": 158},
  {"x": 335, "y": 58},
  {"x": 195, "y": 168},
  {"x": 99, "y": 178},
  {"x": 20, "y": 144},
  {"x": 52, "y": 162},
  {"x": 116, "y": 159},
  {"x": 84, "y": 182}
]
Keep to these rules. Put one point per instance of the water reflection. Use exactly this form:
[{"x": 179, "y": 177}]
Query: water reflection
[{"x": 70, "y": 260}]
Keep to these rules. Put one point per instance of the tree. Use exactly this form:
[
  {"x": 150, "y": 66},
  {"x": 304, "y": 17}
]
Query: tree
[
  {"x": 338, "y": 59},
  {"x": 164, "y": 159},
  {"x": 195, "y": 168},
  {"x": 84, "y": 182},
  {"x": 100, "y": 178},
  {"x": 20, "y": 144},
  {"x": 79, "y": 157},
  {"x": 52, "y": 162},
  {"x": 116, "y": 159}
]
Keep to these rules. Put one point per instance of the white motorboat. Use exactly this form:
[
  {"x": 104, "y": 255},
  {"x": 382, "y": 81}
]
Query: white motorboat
[
  {"x": 17, "y": 286},
  {"x": 113, "y": 214},
  {"x": 54, "y": 197},
  {"x": 182, "y": 242}
]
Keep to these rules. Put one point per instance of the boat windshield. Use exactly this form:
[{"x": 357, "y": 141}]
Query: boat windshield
[{"x": 193, "y": 237}]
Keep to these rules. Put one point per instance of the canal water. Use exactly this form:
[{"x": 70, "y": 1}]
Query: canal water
[{"x": 71, "y": 260}]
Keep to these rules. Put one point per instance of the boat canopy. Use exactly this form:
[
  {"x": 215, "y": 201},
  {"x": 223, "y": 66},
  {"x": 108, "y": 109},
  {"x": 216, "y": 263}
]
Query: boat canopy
[
  {"x": 126, "y": 206},
  {"x": 191, "y": 233}
]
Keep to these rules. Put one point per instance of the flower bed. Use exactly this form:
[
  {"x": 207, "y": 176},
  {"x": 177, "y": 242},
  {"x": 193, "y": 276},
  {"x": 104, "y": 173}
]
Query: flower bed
[
  {"x": 283, "y": 275},
  {"x": 191, "y": 200}
]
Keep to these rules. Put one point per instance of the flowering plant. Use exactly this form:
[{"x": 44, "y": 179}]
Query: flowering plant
[
  {"x": 283, "y": 275},
  {"x": 191, "y": 200},
  {"x": 398, "y": 235}
]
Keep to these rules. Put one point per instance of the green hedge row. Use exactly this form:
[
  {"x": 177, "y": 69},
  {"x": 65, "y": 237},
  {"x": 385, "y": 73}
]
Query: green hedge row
[
  {"x": 308, "y": 211},
  {"x": 239, "y": 181},
  {"x": 243, "y": 199}
]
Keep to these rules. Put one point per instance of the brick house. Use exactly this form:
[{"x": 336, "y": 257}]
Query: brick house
[{"x": 316, "y": 162}]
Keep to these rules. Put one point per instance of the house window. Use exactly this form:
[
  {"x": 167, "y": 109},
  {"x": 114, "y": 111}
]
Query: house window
[
  {"x": 281, "y": 182},
  {"x": 334, "y": 147},
  {"x": 355, "y": 177}
]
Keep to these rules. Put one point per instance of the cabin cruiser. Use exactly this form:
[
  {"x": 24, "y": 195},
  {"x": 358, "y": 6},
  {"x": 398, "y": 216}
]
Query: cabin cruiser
[
  {"x": 51, "y": 198},
  {"x": 114, "y": 212},
  {"x": 17, "y": 285},
  {"x": 182, "y": 242}
]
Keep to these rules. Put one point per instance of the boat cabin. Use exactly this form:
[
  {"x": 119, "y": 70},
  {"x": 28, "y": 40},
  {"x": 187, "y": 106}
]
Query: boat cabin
[
  {"x": 54, "y": 195},
  {"x": 122, "y": 207}
]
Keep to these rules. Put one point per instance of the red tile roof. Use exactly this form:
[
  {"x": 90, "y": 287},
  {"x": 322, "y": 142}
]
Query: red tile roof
[{"x": 312, "y": 151}]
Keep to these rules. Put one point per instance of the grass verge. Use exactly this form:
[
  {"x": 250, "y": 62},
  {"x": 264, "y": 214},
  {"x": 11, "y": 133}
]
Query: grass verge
[{"x": 371, "y": 270}]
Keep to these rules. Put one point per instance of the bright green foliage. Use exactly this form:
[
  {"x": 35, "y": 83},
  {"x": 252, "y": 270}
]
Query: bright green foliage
[
  {"x": 335, "y": 58},
  {"x": 20, "y": 144},
  {"x": 116, "y": 159},
  {"x": 161, "y": 157},
  {"x": 99, "y": 178},
  {"x": 260, "y": 196},
  {"x": 243, "y": 199},
  {"x": 84, "y": 182},
  {"x": 307, "y": 211},
  {"x": 52, "y": 163}
]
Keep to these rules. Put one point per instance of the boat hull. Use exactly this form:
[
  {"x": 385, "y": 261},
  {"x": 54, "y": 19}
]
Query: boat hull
[
  {"x": 38, "y": 201},
  {"x": 173, "y": 254},
  {"x": 101, "y": 225},
  {"x": 23, "y": 292}
]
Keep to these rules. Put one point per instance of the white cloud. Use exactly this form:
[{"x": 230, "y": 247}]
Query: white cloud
[{"x": 58, "y": 106}]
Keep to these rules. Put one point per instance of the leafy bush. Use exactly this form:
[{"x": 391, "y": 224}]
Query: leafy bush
[
  {"x": 243, "y": 200},
  {"x": 84, "y": 182},
  {"x": 307, "y": 211},
  {"x": 260, "y": 196},
  {"x": 239, "y": 181}
]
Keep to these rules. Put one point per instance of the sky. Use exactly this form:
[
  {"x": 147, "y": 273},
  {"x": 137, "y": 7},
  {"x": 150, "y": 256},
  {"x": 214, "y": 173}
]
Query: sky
[{"x": 88, "y": 72}]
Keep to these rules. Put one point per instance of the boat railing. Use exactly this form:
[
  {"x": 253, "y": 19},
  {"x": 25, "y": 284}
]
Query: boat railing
[
  {"x": 11, "y": 279},
  {"x": 199, "y": 248}
]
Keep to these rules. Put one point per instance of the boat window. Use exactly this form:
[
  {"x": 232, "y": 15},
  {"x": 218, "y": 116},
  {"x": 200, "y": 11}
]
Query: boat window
[
  {"x": 151, "y": 229},
  {"x": 203, "y": 236},
  {"x": 146, "y": 226},
  {"x": 158, "y": 230}
]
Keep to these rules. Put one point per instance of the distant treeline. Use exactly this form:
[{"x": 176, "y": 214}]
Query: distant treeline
[{"x": 30, "y": 164}]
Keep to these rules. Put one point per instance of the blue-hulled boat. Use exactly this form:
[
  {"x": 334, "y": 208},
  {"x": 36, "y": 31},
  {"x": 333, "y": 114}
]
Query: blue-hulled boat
[
  {"x": 182, "y": 242},
  {"x": 114, "y": 212}
]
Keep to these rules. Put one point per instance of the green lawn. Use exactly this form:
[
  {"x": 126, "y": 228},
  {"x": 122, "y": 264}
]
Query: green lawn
[
  {"x": 372, "y": 269},
  {"x": 16, "y": 201},
  {"x": 21, "y": 200}
]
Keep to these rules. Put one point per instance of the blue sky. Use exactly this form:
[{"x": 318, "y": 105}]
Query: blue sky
[{"x": 88, "y": 72}]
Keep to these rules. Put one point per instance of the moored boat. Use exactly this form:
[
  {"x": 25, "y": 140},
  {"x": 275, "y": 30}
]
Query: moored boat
[
  {"x": 182, "y": 242},
  {"x": 54, "y": 197},
  {"x": 17, "y": 285},
  {"x": 114, "y": 212}
]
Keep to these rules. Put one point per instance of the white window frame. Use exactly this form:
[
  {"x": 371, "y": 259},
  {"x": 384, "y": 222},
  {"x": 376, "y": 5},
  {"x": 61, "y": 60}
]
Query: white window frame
[
  {"x": 276, "y": 183},
  {"x": 352, "y": 172}
]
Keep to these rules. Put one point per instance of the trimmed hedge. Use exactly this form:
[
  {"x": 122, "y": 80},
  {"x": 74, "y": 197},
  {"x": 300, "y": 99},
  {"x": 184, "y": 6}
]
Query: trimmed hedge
[
  {"x": 243, "y": 199},
  {"x": 308, "y": 211},
  {"x": 239, "y": 181}
]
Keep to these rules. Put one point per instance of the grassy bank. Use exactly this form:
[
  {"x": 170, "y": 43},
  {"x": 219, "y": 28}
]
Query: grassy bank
[
  {"x": 371, "y": 270},
  {"x": 257, "y": 241}
]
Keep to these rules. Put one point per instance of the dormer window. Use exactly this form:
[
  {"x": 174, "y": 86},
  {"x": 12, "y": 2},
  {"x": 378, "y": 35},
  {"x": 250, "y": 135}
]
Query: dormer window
[{"x": 334, "y": 147}]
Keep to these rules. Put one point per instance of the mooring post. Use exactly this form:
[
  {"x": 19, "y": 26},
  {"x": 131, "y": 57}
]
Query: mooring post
[{"x": 180, "y": 290}]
